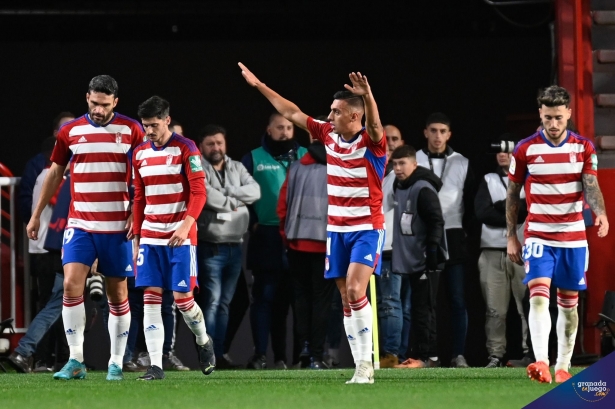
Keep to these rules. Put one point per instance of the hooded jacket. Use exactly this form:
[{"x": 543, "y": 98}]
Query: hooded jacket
[
  {"x": 316, "y": 155},
  {"x": 225, "y": 217},
  {"x": 416, "y": 198},
  {"x": 428, "y": 205}
]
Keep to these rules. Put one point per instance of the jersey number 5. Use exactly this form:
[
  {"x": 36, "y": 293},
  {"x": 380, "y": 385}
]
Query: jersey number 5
[{"x": 140, "y": 257}]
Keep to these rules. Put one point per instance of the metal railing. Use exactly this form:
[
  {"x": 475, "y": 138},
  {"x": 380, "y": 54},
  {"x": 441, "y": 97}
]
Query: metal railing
[{"x": 7, "y": 187}]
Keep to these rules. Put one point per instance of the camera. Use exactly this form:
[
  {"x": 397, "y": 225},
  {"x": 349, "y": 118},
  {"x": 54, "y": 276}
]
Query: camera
[
  {"x": 502, "y": 147},
  {"x": 95, "y": 287}
]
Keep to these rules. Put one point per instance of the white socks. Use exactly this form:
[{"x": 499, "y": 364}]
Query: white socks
[
  {"x": 153, "y": 327},
  {"x": 193, "y": 316},
  {"x": 119, "y": 325},
  {"x": 351, "y": 334},
  {"x": 567, "y": 324},
  {"x": 73, "y": 315},
  {"x": 540, "y": 321},
  {"x": 362, "y": 321}
]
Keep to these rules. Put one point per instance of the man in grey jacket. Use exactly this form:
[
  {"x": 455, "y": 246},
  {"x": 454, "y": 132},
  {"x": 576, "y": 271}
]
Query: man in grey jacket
[{"x": 221, "y": 227}]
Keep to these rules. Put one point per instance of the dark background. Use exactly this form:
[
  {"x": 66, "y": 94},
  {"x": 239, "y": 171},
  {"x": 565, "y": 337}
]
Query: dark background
[{"x": 461, "y": 57}]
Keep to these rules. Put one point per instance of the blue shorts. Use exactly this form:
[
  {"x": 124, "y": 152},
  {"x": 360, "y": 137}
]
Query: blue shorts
[
  {"x": 170, "y": 268},
  {"x": 363, "y": 247},
  {"x": 112, "y": 250},
  {"x": 566, "y": 267}
]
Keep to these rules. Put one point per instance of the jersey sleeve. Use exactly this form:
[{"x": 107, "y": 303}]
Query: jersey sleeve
[
  {"x": 61, "y": 152},
  {"x": 196, "y": 179},
  {"x": 590, "y": 159},
  {"x": 318, "y": 129},
  {"x": 137, "y": 136},
  {"x": 377, "y": 148},
  {"x": 138, "y": 207},
  {"x": 518, "y": 166}
]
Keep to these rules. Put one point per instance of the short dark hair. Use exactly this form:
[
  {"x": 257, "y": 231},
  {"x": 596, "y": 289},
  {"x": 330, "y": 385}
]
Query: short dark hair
[
  {"x": 438, "y": 118},
  {"x": 404, "y": 151},
  {"x": 351, "y": 99},
  {"x": 273, "y": 116},
  {"x": 210, "y": 130},
  {"x": 103, "y": 83},
  {"x": 58, "y": 118},
  {"x": 154, "y": 107},
  {"x": 554, "y": 96}
]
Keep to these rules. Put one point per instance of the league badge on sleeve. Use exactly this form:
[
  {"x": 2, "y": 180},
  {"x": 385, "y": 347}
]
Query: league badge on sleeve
[
  {"x": 594, "y": 161},
  {"x": 195, "y": 163}
]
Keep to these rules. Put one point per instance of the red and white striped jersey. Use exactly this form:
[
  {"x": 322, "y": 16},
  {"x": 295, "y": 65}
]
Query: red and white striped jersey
[
  {"x": 355, "y": 170},
  {"x": 169, "y": 185},
  {"x": 554, "y": 187},
  {"x": 100, "y": 169}
]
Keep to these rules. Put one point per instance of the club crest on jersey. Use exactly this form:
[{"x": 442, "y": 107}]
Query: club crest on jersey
[
  {"x": 573, "y": 157},
  {"x": 118, "y": 137},
  {"x": 169, "y": 159}
]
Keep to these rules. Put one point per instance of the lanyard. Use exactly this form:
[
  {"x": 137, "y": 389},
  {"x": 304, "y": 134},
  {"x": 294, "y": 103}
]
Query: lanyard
[
  {"x": 431, "y": 165},
  {"x": 221, "y": 179}
]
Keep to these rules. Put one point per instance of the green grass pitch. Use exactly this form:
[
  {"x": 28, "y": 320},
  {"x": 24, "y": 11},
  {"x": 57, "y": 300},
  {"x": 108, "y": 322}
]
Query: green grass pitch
[{"x": 292, "y": 389}]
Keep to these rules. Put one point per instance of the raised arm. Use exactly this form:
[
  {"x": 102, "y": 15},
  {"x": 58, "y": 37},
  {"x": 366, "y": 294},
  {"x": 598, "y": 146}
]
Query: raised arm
[
  {"x": 594, "y": 198},
  {"x": 286, "y": 108},
  {"x": 513, "y": 202},
  {"x": 361, "y": 87}
]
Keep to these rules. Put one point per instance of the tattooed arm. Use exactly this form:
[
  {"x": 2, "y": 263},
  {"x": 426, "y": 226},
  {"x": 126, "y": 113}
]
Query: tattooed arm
[
  {"x": 594, "y": 198},
  {"x": 513, "y": 202}
]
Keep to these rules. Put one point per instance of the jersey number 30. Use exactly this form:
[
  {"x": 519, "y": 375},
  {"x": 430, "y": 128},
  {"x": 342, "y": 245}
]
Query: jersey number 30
[{"x": 533, "y": 250}]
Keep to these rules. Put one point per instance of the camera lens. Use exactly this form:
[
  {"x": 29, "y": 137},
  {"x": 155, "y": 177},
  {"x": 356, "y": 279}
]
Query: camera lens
[{"x": 502, "y": 147}]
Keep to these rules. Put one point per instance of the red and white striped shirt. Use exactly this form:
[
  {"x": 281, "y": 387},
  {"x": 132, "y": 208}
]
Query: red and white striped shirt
[
  {"x": 169, "y": 185},
  {"x": 554, "y": 187},
  {"x": 100, "y": 169},
  {"x": 355, "y": 170}
]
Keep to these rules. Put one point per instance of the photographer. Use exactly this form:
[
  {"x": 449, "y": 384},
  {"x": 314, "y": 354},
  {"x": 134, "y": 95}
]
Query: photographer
[
  {"x": 418, "y": 248},
  {"x": 498, "y": 275}
]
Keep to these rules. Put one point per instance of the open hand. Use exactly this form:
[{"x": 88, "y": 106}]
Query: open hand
[
  {"x": 247, "y": 74},
  {"x": 360, "y": 86}
]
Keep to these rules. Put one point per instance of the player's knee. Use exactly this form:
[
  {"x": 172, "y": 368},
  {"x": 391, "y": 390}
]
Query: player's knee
[
  {"x": 539, "y": 296},
  {"x": 354, "y": 293}
]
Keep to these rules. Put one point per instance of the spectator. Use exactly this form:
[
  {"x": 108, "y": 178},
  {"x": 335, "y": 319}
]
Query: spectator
[
  {"x": 457, "y": 201},
  {"x": 22, "y": 357},
  {"x": 222, "y": 224},
  {"x": 394, "y": 140},
  {"x": 176, "y": 127},
  {"x": 33, "y": 168},
  {"x": 419, "y": 249},
  {"x": 266, "y": 256},
  {"x": 498, "y": 275},
  {"x": 394, "y": 323},
  {"x": 302, "y": 209}
]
